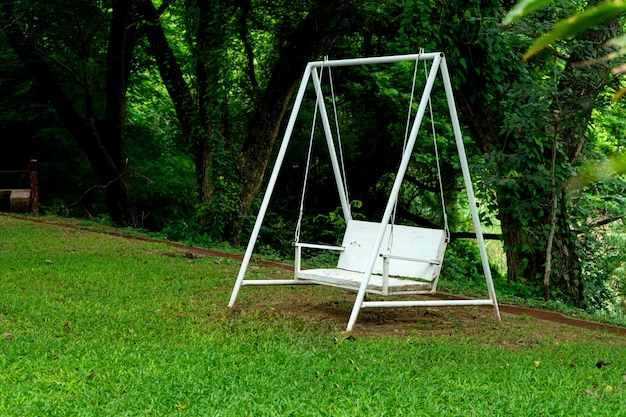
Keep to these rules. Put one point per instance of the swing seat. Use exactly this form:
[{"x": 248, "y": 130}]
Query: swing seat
[{"x": 409, "y": 263}]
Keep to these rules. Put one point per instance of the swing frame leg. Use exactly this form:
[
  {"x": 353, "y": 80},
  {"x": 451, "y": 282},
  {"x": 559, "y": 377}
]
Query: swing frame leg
[{"x": 356, "y": 309}]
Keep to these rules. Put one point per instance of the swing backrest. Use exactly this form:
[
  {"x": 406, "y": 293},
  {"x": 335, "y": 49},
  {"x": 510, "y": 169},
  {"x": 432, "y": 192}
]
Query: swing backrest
[{"x": 413, "y": 252}]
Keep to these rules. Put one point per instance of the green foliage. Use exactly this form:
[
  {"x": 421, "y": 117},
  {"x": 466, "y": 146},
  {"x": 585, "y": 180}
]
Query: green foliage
[
  {"x": 602, "y": 235},
  {"x": 462, "y": 267},
  {"x": 566, "y": 27},
  {"x": 605, "y": 160},
  {"x": 519, "y": 176},
  {"x": 523, "y": 8},
  {"x": 163, "y": 174},
  {"x": 219, "y": 216},
  {"x": 163, "y": 182}
]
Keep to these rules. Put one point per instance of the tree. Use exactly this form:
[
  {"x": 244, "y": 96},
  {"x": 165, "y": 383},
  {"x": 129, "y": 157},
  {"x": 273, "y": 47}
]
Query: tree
[
  {"x": 80, "y": 54},
  {"x": 571, "y": 26},
  {"x": 313, "y": 35},
  {"x": 529, "y": 121},
  {"x": 569, "y": 270},
  {"x": 204, "y": 116},
  {"x": 540, "y": 233}
]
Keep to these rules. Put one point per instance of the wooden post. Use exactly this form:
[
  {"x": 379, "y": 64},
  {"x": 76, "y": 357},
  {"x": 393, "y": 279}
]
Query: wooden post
[{"x": 34, "y": 186}]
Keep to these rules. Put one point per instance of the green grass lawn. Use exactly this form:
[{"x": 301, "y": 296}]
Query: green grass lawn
[{"x": 98, "y": 325}]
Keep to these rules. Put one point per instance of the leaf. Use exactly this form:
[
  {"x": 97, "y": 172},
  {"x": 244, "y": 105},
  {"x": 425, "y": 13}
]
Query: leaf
[
  {"x": 600, "y": 171},
  {"x": 618, "y": 42},
  {"x": 522, "y": 8},
  {"x": 618, "y": 95},
  {"x": 589, "y": 392},
  {"x": 91, "y": 376},
  {"x": 577, "y": 23}
]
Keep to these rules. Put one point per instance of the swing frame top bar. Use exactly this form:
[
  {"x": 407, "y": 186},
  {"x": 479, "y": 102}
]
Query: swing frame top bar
[
  {"x": 375, "y": 60},
  {"x": 439, "y": 66}
]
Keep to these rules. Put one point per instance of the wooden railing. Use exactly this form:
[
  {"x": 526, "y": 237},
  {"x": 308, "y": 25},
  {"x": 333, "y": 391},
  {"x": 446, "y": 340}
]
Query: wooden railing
[{"x": 24, "y": 199}]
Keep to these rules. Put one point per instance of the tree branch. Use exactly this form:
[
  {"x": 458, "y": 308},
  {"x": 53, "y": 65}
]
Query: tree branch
[
  {"x": 605, "y": 221},
  {"x": 432, "y": 188},
  {"x": 170, "y": 70},
  {"x": 243, "y": 31},
  {"x": 553, "y": 213},
  {"x": 107, "y": 185},
  {"x": 58, "y": 62}
]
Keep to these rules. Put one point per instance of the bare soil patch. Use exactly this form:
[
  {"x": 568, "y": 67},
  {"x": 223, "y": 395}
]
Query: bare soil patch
[{"x": 516, "y": 330}]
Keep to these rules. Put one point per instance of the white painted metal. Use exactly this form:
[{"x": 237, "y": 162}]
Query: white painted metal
[
  {"x": 376, "y": 60},
  {"x": 270, "y": 187},
  {"x": 341, "y": 187},
  {"x": 406, "y": 157},
  {"x": 456, "y": 127},
  {"x": 376, "y": 275},
  {"x": 351, "y": 280},
  {"x": 427, "y": 303},
  {"x": 275, "y": 282},
  {"x": 316, "y": 246}
]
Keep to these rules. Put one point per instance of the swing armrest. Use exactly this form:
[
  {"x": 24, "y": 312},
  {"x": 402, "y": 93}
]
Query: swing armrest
[
  {"x": 407, "y": 258},
  {"x": 298, "y": 245},
  {"x": 317, "y": 246}
]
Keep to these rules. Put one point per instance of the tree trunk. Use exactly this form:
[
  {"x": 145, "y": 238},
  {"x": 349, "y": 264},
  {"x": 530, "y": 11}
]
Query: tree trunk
[
  {"x": 308, "y": 41},
  {"x": 170, "y": 71},
  {"x": 204, "y": 116},
  {"x": 212, "y": 152},
  {"x": 572, "y": 114},
  {"x": 112, "y": 128}
]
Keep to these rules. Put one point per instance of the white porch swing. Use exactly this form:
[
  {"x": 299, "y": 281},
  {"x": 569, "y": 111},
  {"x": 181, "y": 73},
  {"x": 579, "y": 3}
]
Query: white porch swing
[{"x": 377, "y": 258}]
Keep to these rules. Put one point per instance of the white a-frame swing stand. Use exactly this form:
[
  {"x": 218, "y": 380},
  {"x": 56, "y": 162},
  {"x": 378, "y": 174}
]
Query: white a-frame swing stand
[{"x": 378, "y": 258}]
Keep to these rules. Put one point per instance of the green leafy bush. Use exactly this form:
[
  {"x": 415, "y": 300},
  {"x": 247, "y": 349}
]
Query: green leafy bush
[{"x": 462, "y": 268}]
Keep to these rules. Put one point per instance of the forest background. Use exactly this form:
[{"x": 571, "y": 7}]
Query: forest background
[{"x": 164, "y": 115}]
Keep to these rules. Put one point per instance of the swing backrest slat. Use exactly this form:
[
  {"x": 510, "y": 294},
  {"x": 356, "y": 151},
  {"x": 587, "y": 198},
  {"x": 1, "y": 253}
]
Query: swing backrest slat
[{"x": 413, "y": 252}]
